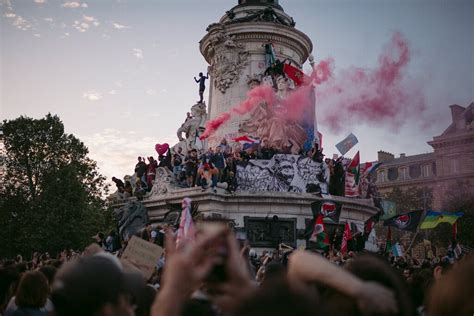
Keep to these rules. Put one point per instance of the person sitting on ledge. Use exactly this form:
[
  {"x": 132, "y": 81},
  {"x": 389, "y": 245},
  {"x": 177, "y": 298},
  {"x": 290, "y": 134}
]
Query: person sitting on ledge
[
  {"x": 208, "y": 175},
  {"x": 120, "y": 186}
]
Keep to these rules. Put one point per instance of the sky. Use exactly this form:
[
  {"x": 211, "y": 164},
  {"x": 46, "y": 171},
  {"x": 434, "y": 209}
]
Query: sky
[{"x": 119, "y": 73}]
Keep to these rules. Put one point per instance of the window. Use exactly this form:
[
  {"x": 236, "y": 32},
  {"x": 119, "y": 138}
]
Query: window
[
  {"x": 415, "y": 171},
  {"x": 392, "y": 174},
  {"x": 381, "y": 175},
  {"x": 426, "y": 171},
  {"x": 403, "y": 174},
  {"x": 454, "y": 166}
]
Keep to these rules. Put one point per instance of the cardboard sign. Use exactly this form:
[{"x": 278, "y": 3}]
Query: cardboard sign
[{"x": 142, "y": 254}]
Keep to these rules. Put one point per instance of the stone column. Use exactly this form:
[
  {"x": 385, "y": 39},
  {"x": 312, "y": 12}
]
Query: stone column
[{"x": 234, "y": 48}]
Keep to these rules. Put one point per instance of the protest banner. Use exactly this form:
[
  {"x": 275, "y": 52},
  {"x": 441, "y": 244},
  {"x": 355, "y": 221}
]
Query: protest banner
[{"x": 142, "y": 254}]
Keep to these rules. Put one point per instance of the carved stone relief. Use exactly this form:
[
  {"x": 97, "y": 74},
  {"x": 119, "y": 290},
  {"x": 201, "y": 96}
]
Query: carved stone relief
[{"x": 228, "y": 58}]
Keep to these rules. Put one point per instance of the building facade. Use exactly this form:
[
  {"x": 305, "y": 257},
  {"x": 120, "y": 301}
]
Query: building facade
[{"x": 451, "y": 162}]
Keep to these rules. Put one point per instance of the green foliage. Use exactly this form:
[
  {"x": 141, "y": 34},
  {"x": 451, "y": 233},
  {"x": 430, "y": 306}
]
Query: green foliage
[
  {"x": 52, "y": 196},
  {"x": 460, "y": 198},
  {"x": 411, "y": 199}
]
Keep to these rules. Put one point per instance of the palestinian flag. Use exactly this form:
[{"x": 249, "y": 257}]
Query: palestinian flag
[
  {"x": 432, "y": 219},
  {"x": 408, "y": 221},
  {"x": 352, "y": 177},
  {"x": 345, "y": 238},
  {"x": 354, "y": 167},
  {"x": 319, "y": 235}
]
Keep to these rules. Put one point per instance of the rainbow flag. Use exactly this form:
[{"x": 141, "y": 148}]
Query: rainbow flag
[{"x": 432, "y": 219}]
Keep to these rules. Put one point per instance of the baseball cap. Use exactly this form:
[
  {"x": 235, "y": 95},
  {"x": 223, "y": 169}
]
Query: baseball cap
[{"x": 85, "y": 285}]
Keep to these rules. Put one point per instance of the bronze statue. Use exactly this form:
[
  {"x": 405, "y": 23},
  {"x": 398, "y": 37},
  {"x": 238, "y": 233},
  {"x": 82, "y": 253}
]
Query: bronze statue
[{"x": 202, "y": 85}]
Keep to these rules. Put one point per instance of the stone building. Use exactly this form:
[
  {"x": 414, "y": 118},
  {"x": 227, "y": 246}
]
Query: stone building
[{"x": 451, "y": 161}]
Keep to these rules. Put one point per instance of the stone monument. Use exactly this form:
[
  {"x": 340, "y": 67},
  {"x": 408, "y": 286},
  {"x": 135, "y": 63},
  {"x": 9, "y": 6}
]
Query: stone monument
[
  {"x": 271, "y": 202},
  {"x": 236, "y": 50}
]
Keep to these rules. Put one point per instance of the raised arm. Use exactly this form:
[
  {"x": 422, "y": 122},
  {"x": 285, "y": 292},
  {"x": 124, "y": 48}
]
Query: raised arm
[
  {"x": 307, "y": 267},
  {"x": 196, "y": 79}
]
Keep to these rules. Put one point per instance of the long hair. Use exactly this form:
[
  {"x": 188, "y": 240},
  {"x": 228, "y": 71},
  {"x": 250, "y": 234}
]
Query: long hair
[{"x": 32, "y": 291}]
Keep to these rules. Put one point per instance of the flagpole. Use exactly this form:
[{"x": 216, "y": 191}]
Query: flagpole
[{"x": 417, "y": 230}]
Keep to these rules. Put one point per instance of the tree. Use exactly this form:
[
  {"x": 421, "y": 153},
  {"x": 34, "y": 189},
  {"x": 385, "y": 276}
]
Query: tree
[
  {"x": 52, "y": 194},
  {"x": 411, "y": 199},
  {"x": 459, "y": 198}
]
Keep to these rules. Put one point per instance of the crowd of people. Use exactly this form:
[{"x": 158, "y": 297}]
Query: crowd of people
[
  {"x": 205, "y": 169},
  {"x": 218, "y": 274}
]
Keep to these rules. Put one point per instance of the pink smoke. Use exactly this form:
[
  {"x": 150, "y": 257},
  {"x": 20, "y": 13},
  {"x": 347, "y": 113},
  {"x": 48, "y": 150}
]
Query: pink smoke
[
  {"x": 254, "y": 97},
  {"x": 383, "y": 96},
  {"x": 296, "y": 103}
]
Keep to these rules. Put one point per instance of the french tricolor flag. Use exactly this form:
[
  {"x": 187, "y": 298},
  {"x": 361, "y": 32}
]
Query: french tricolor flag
[{"x": 246, "y": 141}]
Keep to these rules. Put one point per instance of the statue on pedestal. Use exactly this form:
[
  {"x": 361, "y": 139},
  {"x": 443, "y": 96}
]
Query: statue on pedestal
[{"x": 192, "y": 129}]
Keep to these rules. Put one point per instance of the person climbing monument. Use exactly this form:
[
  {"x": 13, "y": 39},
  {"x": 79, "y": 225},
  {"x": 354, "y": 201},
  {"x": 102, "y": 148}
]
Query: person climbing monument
[
  {"x": 202, "y": 85},
  {"x": 270, "y": 56}
]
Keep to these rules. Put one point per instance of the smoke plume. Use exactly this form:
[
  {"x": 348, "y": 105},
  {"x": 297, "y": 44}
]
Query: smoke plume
[{"x": 383, "y": 96}]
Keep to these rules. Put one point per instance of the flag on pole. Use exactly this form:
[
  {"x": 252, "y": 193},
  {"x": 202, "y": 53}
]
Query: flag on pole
[
  {"x": 371, "y": 243},
  {"x": 319, "y": 235},
  {"x": 397, "y": 250},
  {"x": 294, "y": 74},
  {"x": 389, "y": 209},
  {"x": 432, "y": 219},
  {"x": 388, "y": 243},
  {"x": 352, "y": 177},
  {"x": 345, "y": 238},
  {"x": 408, "y": 221},
  {"x": 369, "y": 168},
  {"x": 246, "y": 141},
  {"x": 455, "y": 231},
  {"x": 186, "y": 232},
  {"x": 347, "y": 143},
  {"x": 330, "y": 210}
]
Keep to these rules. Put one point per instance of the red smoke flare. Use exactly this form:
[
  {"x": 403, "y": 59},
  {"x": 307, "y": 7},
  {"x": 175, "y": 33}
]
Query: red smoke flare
[{"x": 384, "y": 95}]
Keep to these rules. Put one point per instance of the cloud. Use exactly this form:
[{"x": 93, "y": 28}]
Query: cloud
[
  {"x": 112, "y": 92},
  {"x": 119, "y": 26},
  {"x": 50, "y": 20},
  {"x": 36, "y": 35},
  {"x": 138, "y": 53},
  {"x": 74, "y": 5},
  {"x": 90, "y": 19},
  {"x": 84, "y": 24},
  {"x": 40, "y": 1},
  {"x": 118, "y": 83},
  {"x": 150, "y": 91},
  {"x": 116, "y": 151},
  {"x": 21, "y": 23},
  {"x": 92, "y": 96},
  {"x": 9, "y": 15}
]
